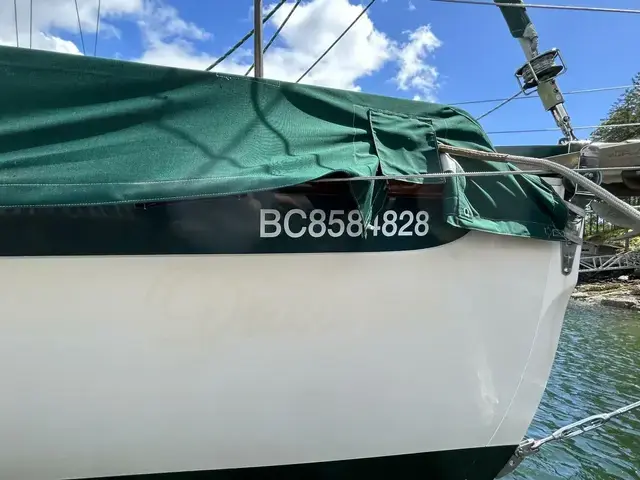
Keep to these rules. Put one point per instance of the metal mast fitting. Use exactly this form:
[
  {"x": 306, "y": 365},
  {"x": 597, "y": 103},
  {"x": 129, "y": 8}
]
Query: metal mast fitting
[{"x": 540, "y": 70}]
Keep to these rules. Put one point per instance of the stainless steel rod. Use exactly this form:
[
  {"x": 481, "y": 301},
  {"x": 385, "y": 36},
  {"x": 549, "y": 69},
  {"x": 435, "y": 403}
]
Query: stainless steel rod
[{"x": 257, "y": 39}]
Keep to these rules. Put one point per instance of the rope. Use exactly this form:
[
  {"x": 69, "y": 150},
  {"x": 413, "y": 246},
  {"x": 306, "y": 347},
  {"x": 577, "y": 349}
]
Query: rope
[
  {"x": 528, "y": 97},
  {"x": 504, "y": 102},
  {"x": 15, "y": 20},
  {"x": 550, "y": 7},
  {"x": 586, "y": 127},
  {"x": 80, "y": 27},
  {"x": 277, "y": 32},
  {"x": 95, "y": 44},
  {"x": 245, "y": 38},
  {"x": 336, "y": 41},
  {"x": 572, "y": 175}
]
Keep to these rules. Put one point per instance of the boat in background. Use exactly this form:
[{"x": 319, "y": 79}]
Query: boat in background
[{"x": 214, "y": 276}]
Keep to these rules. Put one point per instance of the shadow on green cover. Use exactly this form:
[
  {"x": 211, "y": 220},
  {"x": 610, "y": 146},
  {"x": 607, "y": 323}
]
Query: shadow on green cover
[{"x": 88, "y": 131}]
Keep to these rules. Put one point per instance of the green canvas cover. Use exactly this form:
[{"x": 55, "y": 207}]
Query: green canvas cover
[{"x": 87, "y": 131}]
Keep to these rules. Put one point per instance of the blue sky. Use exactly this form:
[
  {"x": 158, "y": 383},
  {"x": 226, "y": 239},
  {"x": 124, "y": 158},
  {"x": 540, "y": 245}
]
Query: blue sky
[{"x": 468, "y": 46}]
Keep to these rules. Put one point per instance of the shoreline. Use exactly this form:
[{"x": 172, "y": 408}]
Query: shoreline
[{"x": 621, "y": 292}]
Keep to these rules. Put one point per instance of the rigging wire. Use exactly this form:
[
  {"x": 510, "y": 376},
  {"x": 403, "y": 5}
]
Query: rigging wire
[
  {"x": 15, "y": 20},
  {"x": 277, "y": 32},
  {"x": 550, "y": 7},
  {"x": 490, "y": 173},
  {"x": 95, "y": 44},
  {"x": 528, "y": 97},
  {"x": 502, "y": 104},
  {"x": 80, "y": 27},
  {"x": 586, "y": 127},
  {"x": 245, "y": 38},
  {"x": 30, "y": 22},
  {"x": 336, "y": 41}
]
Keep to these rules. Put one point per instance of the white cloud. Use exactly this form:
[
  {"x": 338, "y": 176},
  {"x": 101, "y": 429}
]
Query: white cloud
[
  {"x": 170, "y": 40},
  {"x": 181, "y": 54},
  {"x": 415, "y": 74},
  {"x": 49, "y": 15},
  {"x": 310, "y": 30},
  {"x": 411, "y": 6},
  {"x": 44, "y": 41},
  {"x": 163, "y": 21}
]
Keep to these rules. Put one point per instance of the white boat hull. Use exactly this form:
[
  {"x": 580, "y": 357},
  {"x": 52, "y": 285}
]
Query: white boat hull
[{"x": 131, "y": 365}]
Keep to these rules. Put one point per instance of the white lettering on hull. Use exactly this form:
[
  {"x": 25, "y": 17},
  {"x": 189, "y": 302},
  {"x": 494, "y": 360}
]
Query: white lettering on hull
[{"x": 338, "y": 223}]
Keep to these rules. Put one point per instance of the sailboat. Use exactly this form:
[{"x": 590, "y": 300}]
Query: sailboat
[{"x": 213, "y": 276}]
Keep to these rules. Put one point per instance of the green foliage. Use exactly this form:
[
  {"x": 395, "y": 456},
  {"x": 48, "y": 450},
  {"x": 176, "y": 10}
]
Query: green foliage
[
  {"x": 625, "y": 110},
  {"x": 604, "y": 238}
]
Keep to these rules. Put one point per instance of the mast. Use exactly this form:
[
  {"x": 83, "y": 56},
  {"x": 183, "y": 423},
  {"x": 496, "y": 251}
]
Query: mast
[
  {"x": 540, "y": 71},
  {"x": 257, "y": 39}
]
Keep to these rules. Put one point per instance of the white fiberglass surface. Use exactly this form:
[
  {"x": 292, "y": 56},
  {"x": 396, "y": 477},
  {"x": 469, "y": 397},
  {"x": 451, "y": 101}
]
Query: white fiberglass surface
[{"x": 126, "y": 365}]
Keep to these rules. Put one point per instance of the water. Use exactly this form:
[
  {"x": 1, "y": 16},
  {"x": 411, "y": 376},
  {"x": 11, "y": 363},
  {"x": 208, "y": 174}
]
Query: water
[{"x": 596, "y": 370}]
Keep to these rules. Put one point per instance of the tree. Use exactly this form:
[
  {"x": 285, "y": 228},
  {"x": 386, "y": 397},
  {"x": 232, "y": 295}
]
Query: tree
[{"x": 625, "y": 110}]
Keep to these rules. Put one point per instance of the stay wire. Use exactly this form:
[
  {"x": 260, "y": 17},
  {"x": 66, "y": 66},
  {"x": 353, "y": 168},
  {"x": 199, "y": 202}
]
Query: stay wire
[
  {"x": 245, "y": 38},
  {"x": 15, "y": 21},
  {"x": 84, "y": 52},
  {"x": 336, "y": 41},
  {"x": 277, "y": 32},
  {"x": 586, "y": 127},
  {"x": 504, "y": 102},
  {"x": 550, "y": 7},
  {"x": 95, "y": 44},
  {"x": 529, "y": 97}
]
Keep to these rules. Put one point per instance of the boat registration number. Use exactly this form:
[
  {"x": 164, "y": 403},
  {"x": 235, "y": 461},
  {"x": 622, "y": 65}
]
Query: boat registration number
[{"x": 317, "y": 223}]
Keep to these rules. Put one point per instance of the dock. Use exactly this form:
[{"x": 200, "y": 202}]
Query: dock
[{"x": 606, "y": 263}]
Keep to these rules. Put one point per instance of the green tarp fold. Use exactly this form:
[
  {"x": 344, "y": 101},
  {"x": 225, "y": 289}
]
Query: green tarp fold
[{"x": 89, "y": 131}]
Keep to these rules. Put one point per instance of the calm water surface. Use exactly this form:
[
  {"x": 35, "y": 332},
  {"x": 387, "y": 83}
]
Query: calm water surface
[{"x": 597, "y": 370}]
